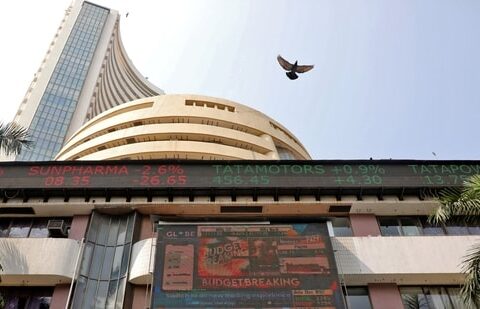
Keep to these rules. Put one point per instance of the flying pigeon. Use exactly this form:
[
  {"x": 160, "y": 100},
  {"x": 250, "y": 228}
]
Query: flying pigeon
[{"x": 293, "y": 68}]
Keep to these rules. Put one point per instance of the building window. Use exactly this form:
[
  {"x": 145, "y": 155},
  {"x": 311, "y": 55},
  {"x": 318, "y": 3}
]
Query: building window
[
  {"x": 341, "y": 226},
  {"x": 431, "y": 297},
  {"x": 413, "y": 226},
  {"x": 28, "y": 227},
  {"x": 357, "y": 298},
  {"x": 26, "y": 297}
]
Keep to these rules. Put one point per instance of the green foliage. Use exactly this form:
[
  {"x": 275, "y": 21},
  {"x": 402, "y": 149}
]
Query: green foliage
[
  {"x": 13, "y": 138},
  {"x": 464, "y": 203}
]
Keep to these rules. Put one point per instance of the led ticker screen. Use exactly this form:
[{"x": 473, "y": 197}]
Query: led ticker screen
[
  {"x": 238, "y": 174},
  {"x": 245, "y": 266}
]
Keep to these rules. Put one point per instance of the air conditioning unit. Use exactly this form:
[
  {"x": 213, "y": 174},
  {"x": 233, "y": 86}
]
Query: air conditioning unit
[{"x": 57, "y": 228}]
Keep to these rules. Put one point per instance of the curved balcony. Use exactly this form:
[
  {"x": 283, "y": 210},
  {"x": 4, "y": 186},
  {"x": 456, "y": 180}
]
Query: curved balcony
[{"x": 37, "y": 261}]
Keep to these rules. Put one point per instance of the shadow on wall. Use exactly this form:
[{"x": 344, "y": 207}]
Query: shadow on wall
[
  {"x": 12, "y": 260},
  {"x": 347, "y": 261}
]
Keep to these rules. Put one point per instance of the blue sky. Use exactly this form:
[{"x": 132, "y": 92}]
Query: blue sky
[{"x": 392, "y": 79}]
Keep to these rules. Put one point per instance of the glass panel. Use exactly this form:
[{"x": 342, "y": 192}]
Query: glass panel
[
  {"x": 122, "y": 230},
  {"x": 112, "y": 237},
  {"x": 436, "y": 299},
  {"x": 39, "y": 302},
  {"x": 430, "y": 229},
  {"x": 20, "y": 228},
  {"x": 103, "y": 229},
  {"x": 4, "y": 224},
  {"x": 87, "y": 257},
  {"x": 121, "y": 291},
  {"x": 112, "y": 293},
  {"x": 455, "y": 298},
  {"x": 131, "y": 221},
  {"x": 117, "y": 261},
  {"x": 389, "y": 227},
  {"x": 413, "y": 298},
  {"x": 107, "y": 263},
  {"x": 79, "y": 292},
  {"x": 93, "y": 230},
  {"x": 341, "y": 226},
  {"x": 39, "y": 229},
  {"x": 410, "y": 226},
  {"x": 474, "y": 230},
  {"x": 357, "y": 298},
  {"x": 88, "y": 300},
  {"x": 97, "y": 261},
  {"x": 125, "y": 260},
  {"x": 455, "y": 228},
  {"x": 101, "y": 294}
]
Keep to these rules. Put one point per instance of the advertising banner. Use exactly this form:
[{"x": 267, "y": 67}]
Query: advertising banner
[{"x": 245, "y": 266}]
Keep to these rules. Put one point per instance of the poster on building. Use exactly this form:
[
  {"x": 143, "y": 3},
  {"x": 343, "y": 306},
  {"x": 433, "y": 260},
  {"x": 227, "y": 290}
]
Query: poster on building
[{"x": 245, "y": 266}]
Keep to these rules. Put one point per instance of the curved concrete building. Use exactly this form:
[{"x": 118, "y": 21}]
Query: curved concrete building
[
  {"x": 182, "y": 127},
  {"x": 86, "y": 71}
]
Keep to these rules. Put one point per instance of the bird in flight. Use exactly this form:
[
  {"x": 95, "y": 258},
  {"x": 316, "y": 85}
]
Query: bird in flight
[{"x": 293, "y": 68}]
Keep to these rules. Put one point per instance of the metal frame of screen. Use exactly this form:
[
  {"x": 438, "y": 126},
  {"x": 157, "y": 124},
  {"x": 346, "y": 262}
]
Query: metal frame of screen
[{"x": 289, "y": 265}]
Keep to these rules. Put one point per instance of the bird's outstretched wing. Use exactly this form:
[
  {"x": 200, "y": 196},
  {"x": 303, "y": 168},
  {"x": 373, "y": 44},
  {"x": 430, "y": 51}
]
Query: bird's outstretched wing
[
  {"x": 304, "y": 68},
  {"x": 284, "y": 63}
]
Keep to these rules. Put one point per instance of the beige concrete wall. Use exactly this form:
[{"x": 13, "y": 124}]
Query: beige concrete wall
[
  {"x": 38, "y": 261},
  {"x": 181, "y": 126},
  {"x": 419, "y": 260},
  {"x": 414, "y": 260}
]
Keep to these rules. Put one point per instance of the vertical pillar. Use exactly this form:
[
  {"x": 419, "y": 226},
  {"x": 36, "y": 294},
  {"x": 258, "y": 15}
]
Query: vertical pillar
[
  {"x": 79, "y": 227},
  {"x": 145, "y": 228},
  {"x": 364, "y": 225},
  {"x": 60, "y": 296},
  {"x": 385, "y": 296},
  {"x": 139, "y": 293},
  {"x": 139, "y": 297}
]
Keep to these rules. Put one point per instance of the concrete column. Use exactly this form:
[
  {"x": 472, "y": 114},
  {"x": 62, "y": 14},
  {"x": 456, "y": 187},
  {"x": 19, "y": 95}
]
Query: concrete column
[
  {"x": 385, "y": 296},
  {"x": 145, "y": 227},
  {"x": 60, "y": 296},
  {"x": 364, "y": 225},
  {"x": 79, "y": 227},
  {"x": 139, "y": 301}
]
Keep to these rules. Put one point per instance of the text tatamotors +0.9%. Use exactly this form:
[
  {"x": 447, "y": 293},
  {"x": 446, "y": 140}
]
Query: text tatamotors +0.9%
[{"x": 358, "y": 175}]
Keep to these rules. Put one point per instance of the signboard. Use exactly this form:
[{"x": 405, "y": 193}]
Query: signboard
[
  {"x": 237, "y": 174},
  {"x": 245, "y": 266}
]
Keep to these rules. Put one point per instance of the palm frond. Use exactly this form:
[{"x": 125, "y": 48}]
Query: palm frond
[
  {"x": 471, "y": 267},
  {"x": 13, "y": 138},
  {"x": 458, "y": 202}
]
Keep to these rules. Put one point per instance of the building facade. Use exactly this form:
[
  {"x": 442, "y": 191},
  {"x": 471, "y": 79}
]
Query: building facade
[
  {"x": 105, "y": 234},
  {"x": 85, "y": 72},
  {"x": 187, "y": 201}
]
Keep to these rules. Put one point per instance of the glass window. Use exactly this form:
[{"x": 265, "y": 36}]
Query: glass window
[
  {"x": 4, "y": 224},
  {"x": 474, "y": 230},
  {"x": 389, "y": 227},
  {"x": 112, "y": 289},
  {"x": 413, "y": 298},
  {"x": 107, "y": 263},
  {"x": 341, "y": 226},
  {"x": 410, "y": 226},
  {"x": 357, "y": 298},
  {"x": 20, "y": 228},
  {"x": 456, "y": 228},
  {"x": 97, "y": 261},
  {"x": 39, "y": 229},
  {"x": 435, "y": 297},
  {"x": 430, "y": 229},
  {"x": 39, "y": 302}
]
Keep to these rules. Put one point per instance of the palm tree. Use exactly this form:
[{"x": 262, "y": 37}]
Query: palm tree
[
  {"x": 465, "y": 204},
  {"x": 13, "y": 138}
]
